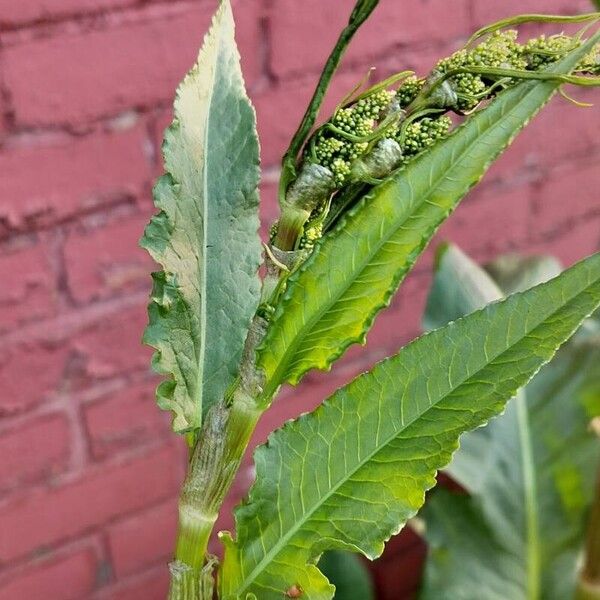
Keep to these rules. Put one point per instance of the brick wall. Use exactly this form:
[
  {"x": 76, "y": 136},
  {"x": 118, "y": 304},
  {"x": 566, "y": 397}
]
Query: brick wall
[{"x": 88, "y": 471}]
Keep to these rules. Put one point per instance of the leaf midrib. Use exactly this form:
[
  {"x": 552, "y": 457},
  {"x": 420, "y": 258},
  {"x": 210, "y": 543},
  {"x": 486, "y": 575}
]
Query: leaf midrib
[
  {"x": 205, "y": 204},
  {"x": 283, "y": 365},
  {"x": 279, "y": 546}
]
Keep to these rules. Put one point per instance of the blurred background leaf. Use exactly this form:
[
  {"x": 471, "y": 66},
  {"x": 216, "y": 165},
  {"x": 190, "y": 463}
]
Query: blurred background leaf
[
  {"x": 349, "y": 574},
  {"x": 530, "y": 473}
]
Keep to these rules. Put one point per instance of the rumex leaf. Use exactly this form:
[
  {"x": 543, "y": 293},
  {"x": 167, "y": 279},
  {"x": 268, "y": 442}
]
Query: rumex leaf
[
  {"x": 351, "y": 473},
  {"x": 205, "y": 235}
]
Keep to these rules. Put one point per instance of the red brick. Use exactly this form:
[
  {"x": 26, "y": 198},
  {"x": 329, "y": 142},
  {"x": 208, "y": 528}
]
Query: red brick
[
  {"x": 304, "y": 33},
  {"x": 143, "y": 540},
  {"x": 107, "y": 261},
  {"x": 563, "y": 130},
  {"x": 132, "y": 65},
  {"x": 19, "y": 13},
  {"x": 58, "y": 578},
  {"x": 44, "y": 518},
  {"x": 493, "y": 219},
  {"x": 560, "y": 131},
  {"x": 43, "y": 184},
  {"x": 152, "y": 585},
  {"x": 22, "y": 390},
  {"x": 577, "y": 242},
  {"x": 125, "y": 419},
  {"x": 269, "y": 206},
  {"x": 35, "y": 450},
  {"x": 113, "y": 345},
  {"x": 31, "y": 294},
  {"x": 566, "y": 195}
]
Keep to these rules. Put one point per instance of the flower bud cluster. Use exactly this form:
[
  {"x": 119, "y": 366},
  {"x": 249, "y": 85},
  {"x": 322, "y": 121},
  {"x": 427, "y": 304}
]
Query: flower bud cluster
[
  {"x": 422, "y": 134},
  {"x": 335, "y": 148},
  {"x": 499, "y": 50},
  {"x": 313, "y": 230},
  {"x": 409, "y": 90},
  {"x": 542, "y": 51},
  {"x": 379, "y": 131},
  {"x": 591, "y": 62}
]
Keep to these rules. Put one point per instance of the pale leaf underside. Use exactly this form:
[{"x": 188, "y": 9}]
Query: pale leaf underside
[{"x": 205, "y": 235}]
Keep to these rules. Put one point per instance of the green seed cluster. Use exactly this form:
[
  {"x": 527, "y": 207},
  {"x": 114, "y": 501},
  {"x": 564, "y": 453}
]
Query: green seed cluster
[
  {"x": 334, "y": 150},
  {"x": 422, "y": 134},
  {"x": 499, "y": 50},
  {"x": 542, "y": 51},
  {"x": 409, "y": 90},
  {"x": 591, "y": 62},
  {"x": 273, "y": 231},
  {"x": 313, "y": 231},
  {"x": 373, "y": 105}
]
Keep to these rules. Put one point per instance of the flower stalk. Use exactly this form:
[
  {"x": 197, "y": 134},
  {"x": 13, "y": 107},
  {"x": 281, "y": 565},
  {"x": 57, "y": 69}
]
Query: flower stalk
[{"x": 588, "y": 585}]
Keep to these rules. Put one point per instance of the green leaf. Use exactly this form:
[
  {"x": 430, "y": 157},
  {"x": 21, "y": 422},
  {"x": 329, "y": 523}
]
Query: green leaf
[
  {"x": 530, "y": 473},
  {"x": 349, "y": 574},
  {"x": 205, "y": 235},
  {"x": 332, "y": 300},
  {"x": 350, "y": 474}
]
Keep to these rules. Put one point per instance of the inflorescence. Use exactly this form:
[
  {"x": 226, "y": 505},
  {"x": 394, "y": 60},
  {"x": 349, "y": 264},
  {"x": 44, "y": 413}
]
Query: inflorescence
[{"x": 380, "y": 130}]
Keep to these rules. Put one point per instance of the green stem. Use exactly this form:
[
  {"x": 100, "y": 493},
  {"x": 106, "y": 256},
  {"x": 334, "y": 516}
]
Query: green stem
[
  {"x": 588, "y": 587},
  {"x": 215, "y": 460},
  {"x": 531, "y": 508},
  {"x": 361, "y": 12}
]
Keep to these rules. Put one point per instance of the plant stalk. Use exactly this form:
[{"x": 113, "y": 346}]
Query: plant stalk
[
  {"x": 588, "y": 586},
  {"x": 214, "y": 462},
  {"x": 362, "y": 10}
]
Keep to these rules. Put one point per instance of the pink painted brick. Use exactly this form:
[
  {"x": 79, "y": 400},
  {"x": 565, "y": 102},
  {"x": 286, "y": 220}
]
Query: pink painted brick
[
  {"x": 304, "y": 33},
  {"x": 21, "y": 390},
  {"x": 113, "y": 346},
  {"x": 31, "y": 294},
  {"x": 566, "y": 195},
  {"x": 572, "y": 244},
  {"x": 133, "y": 65},
  {"x": 144, "y": 539},
  {"x": 108, "y": 261},
  {"x": 150, "y": 585},
  {"x": 125, "y": 419},
  {"x": 65, "y": 577},
  {"x": 42, "y": 519},
  {"x": 494, "y": 219},
  {"x": 43, "y": 184},
  {"x": 36, "y": 450},
  {"x": 16, "y": 14}
]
